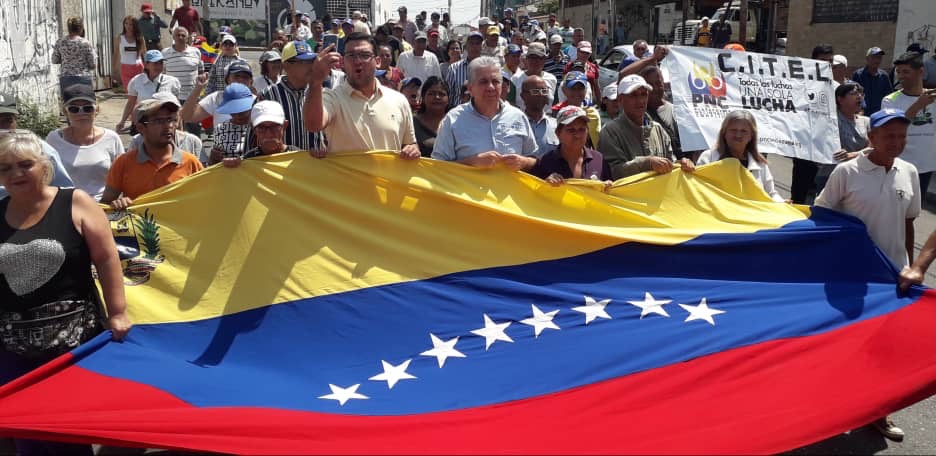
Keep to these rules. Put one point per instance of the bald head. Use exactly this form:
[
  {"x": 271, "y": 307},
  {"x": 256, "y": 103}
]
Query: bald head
[{"x": 535, "y": 94}]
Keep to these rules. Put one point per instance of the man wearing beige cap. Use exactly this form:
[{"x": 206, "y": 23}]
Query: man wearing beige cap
[
  {"x": 156, "y": 163},
  {"x": 633, "y": 143},
  {"x": 535, "y": 60}
]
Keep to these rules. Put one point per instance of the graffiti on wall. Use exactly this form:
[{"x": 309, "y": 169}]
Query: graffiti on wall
[{"x": 28, "y": 31}]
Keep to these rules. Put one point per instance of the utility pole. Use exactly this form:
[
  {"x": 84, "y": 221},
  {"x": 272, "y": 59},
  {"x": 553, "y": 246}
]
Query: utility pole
[
  {"x": 742, "y": 22},
  {"x": 685, "y": 18}
]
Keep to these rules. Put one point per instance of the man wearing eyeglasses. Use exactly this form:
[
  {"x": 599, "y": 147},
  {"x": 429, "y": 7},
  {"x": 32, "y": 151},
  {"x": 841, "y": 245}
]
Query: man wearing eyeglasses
[
  {"x": 535, "y": 94},
  {"x": 157, "y": 162},
  {"x": 362, "y": 113}
]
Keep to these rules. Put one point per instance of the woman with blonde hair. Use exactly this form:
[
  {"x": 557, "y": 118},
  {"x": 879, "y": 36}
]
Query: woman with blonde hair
[
  {"x": 737, "y": 139},
  {"x": 76, "y": 55},
  {"x": 129, "y": 48},
  {"x": 49, "y": 238}
]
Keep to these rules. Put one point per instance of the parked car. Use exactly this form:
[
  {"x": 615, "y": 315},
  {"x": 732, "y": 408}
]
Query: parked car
[{"x": 608, "y": 66}]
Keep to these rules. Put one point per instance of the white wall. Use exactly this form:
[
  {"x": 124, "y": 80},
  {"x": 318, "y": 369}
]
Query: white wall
[
  {"x": 28, "y": 32},
  {"x": 916, "y": 23}
]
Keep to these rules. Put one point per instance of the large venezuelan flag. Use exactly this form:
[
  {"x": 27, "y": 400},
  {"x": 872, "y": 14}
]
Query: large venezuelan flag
[{"x": 365, "y": 304}]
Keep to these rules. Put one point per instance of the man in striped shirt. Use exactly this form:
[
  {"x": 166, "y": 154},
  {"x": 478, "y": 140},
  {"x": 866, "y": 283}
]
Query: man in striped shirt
[
  {"x": 457, "y": 74},
  {"x": 184, "y": 62},
  {"x": 290, "y": 93}
]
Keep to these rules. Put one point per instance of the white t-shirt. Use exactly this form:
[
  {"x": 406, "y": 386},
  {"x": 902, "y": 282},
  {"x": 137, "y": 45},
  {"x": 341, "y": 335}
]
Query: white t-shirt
[
  {"x": 518, "y": 79},
  {"x": 88, "y": 165},
  {"x": 210, "y": 104},
  {"x": 882, "y": 199},
  {"x": 921, "y": 136},
  {"x": 143, "y": 88},
  {"x": 420, "y": 67}
]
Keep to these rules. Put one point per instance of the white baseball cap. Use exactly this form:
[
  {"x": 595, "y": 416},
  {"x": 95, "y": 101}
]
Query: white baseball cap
[
  {"x": 267, "y": 111},
  {"x": 610, "y": 91},
  {"x": 631, "y": 83},
  {"x": 555, "y": 39},
  {"x": 839, "y": 59}
]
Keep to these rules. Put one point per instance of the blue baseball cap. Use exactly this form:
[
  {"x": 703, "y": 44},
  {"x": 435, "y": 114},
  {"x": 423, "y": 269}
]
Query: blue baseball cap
[
  {"x": 576, "y": 77},
  {"x": 514, "y": 49},
  {"x": 380, "y": 73},
  {"x": 236, "y": 98},
  {"x": 411, "y": 81},
  {"x": 153, "y": 56},
  {"x": 299, "y": 50},
  {"x": 534, "y": 22},
  {"x": 475, "y": 34},
  {"x": 880, "y": 118},
  {"x": 336, "y": 22}
]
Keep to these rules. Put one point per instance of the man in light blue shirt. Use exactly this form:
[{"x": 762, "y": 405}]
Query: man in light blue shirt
[
  {"x": 535, "y": 93},
  {"x": 486, "y": 131}
]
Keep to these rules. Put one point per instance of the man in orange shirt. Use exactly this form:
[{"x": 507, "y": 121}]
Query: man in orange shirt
[{"x": 157, "y": 162}]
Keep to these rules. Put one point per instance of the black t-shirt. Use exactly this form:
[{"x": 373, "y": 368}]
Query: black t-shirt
[{"x": 46, "y": 262}]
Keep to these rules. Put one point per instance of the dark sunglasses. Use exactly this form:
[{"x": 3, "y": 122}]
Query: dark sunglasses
[{"x": 87, "y": 109}]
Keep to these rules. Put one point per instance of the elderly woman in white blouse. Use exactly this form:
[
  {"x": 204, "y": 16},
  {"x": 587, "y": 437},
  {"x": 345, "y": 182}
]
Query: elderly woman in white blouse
[{"x": 738, "y": 139}]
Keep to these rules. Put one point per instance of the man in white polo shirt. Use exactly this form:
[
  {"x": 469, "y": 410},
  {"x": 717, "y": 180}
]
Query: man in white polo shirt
[
  {"x": 879, "y": 188},
  {"x": 884, "y": 192},
  {"x": 419, "y": 63}
]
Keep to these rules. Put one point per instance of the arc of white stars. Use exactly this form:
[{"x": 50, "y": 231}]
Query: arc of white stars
[
  {"x": 343, "y": 395},
  {"x": 650, "y": 305},
  {"x": 492, "y": 332},
  {"x": 701, "y": 312},
  {"x": 443, "y": 350},
  {"x": 541, "y": 320},
  {"x": 593, "y": 309},
  {"x": 393, "y": 374}
]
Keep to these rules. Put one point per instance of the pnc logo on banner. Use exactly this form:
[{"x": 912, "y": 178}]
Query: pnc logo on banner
[{"x": 706, "y": 85}]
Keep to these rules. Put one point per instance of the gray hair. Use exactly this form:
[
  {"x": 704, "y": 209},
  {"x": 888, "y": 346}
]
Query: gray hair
[
  {"x": 639, "y": 42},
  {"x": 485, "y": 61}
]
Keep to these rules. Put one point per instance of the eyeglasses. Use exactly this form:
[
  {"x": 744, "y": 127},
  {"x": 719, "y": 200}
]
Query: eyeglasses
[
  {"x": 360, "y": 57},
  {"x": 87, "y": 109},
  {"x": 538, "y": 92},
  {"x": 160, "y": 121}
]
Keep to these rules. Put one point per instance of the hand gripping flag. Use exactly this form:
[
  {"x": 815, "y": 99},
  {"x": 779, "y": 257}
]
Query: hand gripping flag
[{"x": 367, "y": 304}]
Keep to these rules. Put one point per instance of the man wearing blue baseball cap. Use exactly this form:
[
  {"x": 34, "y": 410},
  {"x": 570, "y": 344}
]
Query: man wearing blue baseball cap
[
  {"x": 880, "y": 188},
  {"x": 230, "y": 138},
  {"x": 575, "y": 89},
  {"x": 144, "y": 85},
  {"x": 873, "y": 80},
  {"x": 884, "y": 192}
]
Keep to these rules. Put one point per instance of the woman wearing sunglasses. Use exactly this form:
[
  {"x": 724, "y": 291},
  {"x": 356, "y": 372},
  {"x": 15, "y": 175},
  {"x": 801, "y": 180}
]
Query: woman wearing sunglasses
[{"x": 87, "y": 151}]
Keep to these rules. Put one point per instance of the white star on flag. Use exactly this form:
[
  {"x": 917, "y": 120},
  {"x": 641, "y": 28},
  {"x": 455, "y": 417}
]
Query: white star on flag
[
  {"x": 650, "y": 305},
  {"x": 540, "y": 321},
  {"x": 593, "y": 309},
  {"x": 443, "y": 350},
  {"x": 492, "y": 332},
  {"x": 701, "y": 312},
  {"x": 392, "y": 374},
  {"x": 342, "y": 395}
]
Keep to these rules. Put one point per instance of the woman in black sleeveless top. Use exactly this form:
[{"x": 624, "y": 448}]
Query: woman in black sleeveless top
[{"x": 49, "y": 237}]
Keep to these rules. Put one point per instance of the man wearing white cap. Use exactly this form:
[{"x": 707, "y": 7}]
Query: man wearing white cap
[
  {"x": 583, "y": 54},
  {"x": 839, "y": 68},
  {"x": 609, "y": 104},
  {"x": 633, "y": 143},
  {"x": 418, "y": 63},
  {"x": 269, "y": 126},
  {"x": 875, "y": 81},
  {"x": 557, "y": 60}
]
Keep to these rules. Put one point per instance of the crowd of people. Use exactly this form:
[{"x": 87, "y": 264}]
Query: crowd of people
[{"x": 513, "y": 93}]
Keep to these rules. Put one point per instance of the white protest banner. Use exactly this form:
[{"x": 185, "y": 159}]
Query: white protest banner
[
  {"x": 234, "y": 9},
  {"x": 792, "y": 99}
]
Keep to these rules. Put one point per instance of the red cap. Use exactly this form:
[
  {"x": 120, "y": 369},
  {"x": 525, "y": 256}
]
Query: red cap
[
  {"x": 433, "y": 32},
  {"x": 147, "y": 8}
]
